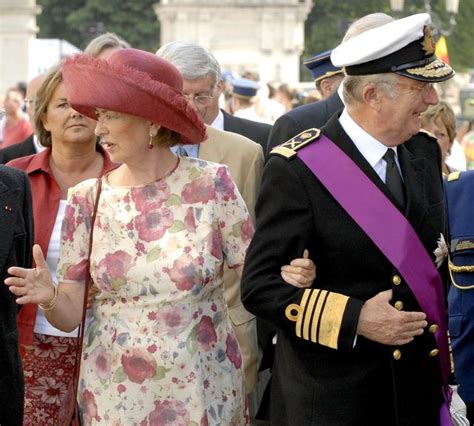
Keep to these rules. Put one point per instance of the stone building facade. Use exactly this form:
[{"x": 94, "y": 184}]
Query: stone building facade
[
  {"x": 266, "y": 36},
  {"x": 17, "y": 34}
]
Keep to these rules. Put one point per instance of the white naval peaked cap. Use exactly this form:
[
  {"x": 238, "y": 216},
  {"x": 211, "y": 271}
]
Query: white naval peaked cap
[{"x": 404, "y": 46}]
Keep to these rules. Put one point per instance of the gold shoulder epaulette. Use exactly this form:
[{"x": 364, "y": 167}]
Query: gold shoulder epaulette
[
  {"x": 289, "y": 148},
  {"x": 454, "y": 176}
]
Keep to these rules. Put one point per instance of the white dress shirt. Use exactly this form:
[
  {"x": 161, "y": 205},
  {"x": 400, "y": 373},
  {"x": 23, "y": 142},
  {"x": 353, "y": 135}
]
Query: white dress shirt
[{"x": 370, "y": 148}]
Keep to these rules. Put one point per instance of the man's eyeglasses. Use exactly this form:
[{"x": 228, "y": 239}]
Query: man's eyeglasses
[
  {"x": 200, "y": 100},
  {"x": 422, "y": 89}
]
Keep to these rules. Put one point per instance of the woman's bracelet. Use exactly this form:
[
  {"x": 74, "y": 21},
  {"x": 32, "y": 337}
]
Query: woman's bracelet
[{"x": 52, "y": 303}]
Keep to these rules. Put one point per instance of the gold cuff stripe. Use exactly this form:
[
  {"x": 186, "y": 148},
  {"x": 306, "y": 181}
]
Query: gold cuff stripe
[
  {"x": 308, "y": 314},
  {"x": 319, "y": 316},
  {"x": 299, "y": 321},
  {"x": 331, "y": 319}
]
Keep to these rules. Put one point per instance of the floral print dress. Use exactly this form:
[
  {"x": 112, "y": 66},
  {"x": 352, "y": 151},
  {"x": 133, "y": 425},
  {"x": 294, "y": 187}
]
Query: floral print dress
[{"x": 160, "y": 349}]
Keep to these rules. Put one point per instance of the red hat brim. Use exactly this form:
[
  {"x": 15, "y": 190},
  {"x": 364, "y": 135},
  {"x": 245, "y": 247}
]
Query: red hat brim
[{"x": 93, "y": 83}]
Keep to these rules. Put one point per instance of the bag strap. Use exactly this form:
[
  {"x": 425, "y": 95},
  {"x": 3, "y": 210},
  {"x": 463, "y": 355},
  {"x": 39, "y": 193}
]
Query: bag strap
[{"x": 87, "y": 285}]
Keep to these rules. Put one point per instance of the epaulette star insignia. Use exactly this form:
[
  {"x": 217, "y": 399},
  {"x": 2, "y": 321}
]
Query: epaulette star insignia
[{"x": 288, "y": 149}]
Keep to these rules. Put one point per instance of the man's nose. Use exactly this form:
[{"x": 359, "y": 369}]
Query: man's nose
[{"x": 431, "y": 97}]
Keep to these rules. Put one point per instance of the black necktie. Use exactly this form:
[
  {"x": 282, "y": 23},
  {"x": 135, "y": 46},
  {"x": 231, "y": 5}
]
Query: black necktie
[{"x": 393, "y": 180}]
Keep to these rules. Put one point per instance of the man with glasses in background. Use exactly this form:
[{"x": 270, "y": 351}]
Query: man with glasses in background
[{"x": 202, "y": 86}]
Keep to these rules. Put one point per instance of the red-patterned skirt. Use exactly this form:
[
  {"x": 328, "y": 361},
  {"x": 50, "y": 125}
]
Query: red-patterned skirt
[{"x": 48, "y": 365}]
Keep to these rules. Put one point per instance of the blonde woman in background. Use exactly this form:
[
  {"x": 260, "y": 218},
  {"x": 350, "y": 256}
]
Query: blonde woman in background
[{"x": 440, "y": 120}]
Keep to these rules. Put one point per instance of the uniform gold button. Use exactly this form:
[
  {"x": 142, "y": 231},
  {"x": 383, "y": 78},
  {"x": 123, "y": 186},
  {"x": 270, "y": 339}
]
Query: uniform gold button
[
  {"x": 434, "y": 352},
  {"x": 433, "y": 328},
  {"x": 398, "y": 305},
  {"x": 396, "y": 280},
  {"x": 397, "y": 354}
]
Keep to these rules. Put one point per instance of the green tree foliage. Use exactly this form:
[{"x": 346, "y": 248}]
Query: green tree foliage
[
  {"x": 460, "y": 42},
  {"x": 52, "y": 20},
  {"x": 79, "y": 21}
]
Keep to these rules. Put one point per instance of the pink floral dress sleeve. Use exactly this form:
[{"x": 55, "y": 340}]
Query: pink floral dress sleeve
[
  {"x": 75, "y": 232},
  {"x": 235, "y": 224}
]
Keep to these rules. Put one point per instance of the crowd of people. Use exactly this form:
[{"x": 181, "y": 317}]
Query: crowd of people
[{"x": 179, "y": 249}]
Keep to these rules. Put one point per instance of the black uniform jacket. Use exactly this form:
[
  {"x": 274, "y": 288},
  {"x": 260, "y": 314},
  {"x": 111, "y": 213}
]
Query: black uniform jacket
[
  {"x": 255, "y": 131},
  {"x": 22, "y": 149},
  {"x": 304, "y": 117},
  {"x": 16, "y": 231},
  {"x": 286, "y": 127},
  {"x": 325, "y": 377}
]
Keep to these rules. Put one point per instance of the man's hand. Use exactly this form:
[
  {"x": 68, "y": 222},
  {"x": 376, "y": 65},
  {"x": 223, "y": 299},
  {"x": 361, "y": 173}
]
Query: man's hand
[{"x": 381, "y": 322}]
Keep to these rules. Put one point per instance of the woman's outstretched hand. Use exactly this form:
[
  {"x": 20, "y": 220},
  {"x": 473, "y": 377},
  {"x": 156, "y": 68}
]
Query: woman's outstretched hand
[
  {"x": 301, "y": 272},
  {"x": 32, "y": 285}
]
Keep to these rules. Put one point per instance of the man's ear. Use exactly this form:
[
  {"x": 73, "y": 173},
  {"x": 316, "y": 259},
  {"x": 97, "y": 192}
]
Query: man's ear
[
  {"x": 219, "y": 88},
  {"x": 325, "y": 86},
  {"x": 372, "y": 95}
]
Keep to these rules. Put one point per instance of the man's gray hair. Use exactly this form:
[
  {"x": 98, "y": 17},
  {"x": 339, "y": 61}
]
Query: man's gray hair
[
  {"x": 353, "y": 85},
  {"x": 367, "y": 22},
  {"x": 192, "y": 61}
]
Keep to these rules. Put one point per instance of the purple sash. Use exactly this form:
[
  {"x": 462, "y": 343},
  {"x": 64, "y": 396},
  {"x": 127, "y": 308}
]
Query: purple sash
[{"x": 371, "y": 209}]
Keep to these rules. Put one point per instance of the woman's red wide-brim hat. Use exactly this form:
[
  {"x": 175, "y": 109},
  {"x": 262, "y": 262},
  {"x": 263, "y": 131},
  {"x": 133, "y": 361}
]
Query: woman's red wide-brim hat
[{"x": 132, "y": 82}]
